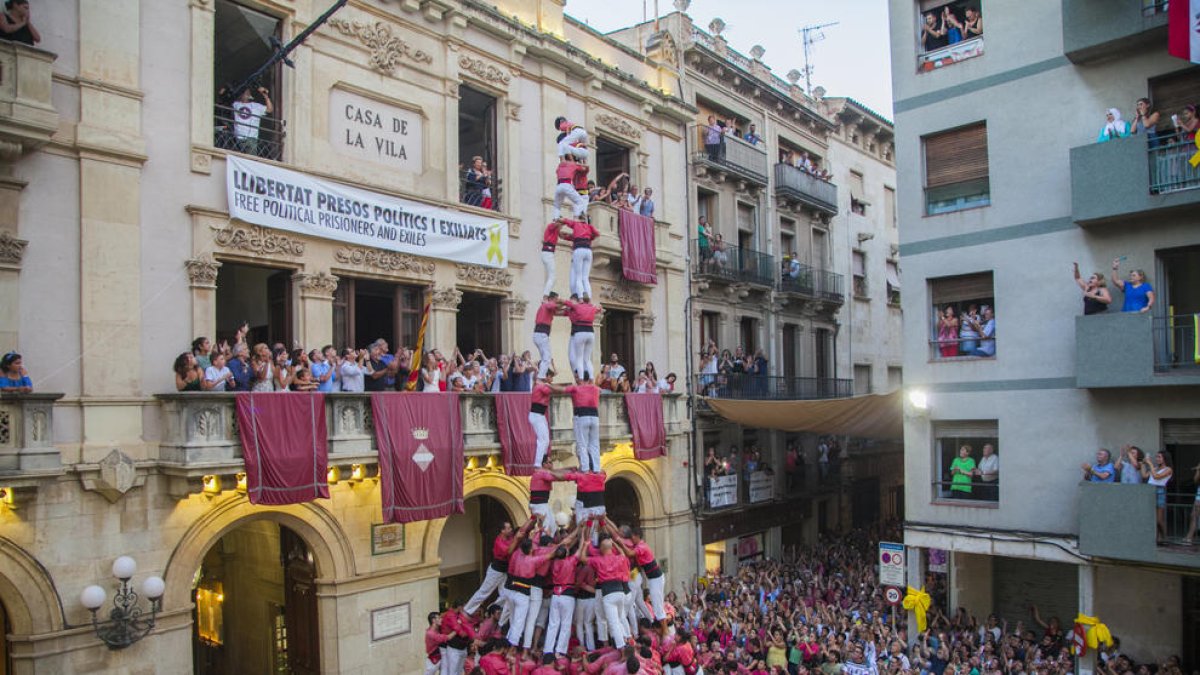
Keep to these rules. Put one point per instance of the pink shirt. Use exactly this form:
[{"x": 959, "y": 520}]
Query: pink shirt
[
  {"x": 541, "y": 394},
  {"x": 562, "y": 572},
  {"x": 500, "y": 547},
  {"x": 587, "y": 482},
  {"x": 611, "y": 567},
  {"x": 584, "y": 395},
  {"x": 541, "y": 480},
  {"x": 546, "y": 313},
  {"x": 581, "y": 313},
  {"x": 523, "y": 566}
]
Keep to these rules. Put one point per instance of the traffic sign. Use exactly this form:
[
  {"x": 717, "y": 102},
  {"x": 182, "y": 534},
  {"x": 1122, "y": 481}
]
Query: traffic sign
[
  {"x": 892, "y": 595},
  {"x": 892, "y": 568}
]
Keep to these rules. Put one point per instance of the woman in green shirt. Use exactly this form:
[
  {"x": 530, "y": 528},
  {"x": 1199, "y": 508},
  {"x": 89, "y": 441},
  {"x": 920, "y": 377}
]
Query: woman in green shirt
[{"x": 960, "y": 473}]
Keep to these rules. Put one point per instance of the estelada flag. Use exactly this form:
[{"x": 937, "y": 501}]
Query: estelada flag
[{"x": 1183, "y": 29}]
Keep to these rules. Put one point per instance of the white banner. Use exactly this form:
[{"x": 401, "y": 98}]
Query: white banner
[
  {"x": 722, "y": 491},
  {"x": 762, "y": 487},
  {"x": 267, "y": 195}
]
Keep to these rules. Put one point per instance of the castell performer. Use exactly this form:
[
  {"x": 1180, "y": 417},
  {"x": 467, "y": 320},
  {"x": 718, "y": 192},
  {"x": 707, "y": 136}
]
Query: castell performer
[
  {"x": 460, "y": 632},
  {"x": 570, "y": 175},
  {"x": 496, "y": 572},
  {"x": 585, "y": 398},
  {"x": 554, "y": 230},
  {"x": 611, "y": 564},
  {"x": 563, "y": 571},
  {"x": 582, "y": 236},
  {"x": 572, "y": 139},
  {"x": 655, "y": 582},
  {"x": 522, "y": 567},
  {"x": 582, "y": 315},
  {"x": 589, "y": 497},
  {"x": 551, "y": 307},
  {"x": 539, "y": 492}
]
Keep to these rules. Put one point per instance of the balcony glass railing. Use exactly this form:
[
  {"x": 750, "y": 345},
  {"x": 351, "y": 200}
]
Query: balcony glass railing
[
  {"x": 805, "y": 187},
  {"x": 730, "y": 152},
  {"x": 1175, "y": 344},
  {"x": 768, "y": 387},
  {"x": 1170, "y": 168},
  {"x": 232, "y": 131},
  {"x": 732, "y": 263}
]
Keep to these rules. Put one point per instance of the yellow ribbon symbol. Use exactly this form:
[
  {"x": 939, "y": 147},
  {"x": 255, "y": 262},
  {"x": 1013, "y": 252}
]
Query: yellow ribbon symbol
[
  {"x": 494, "y": 245},
  {"x": 1096, "y": 633},
  {"x": 918, "y": 603},
  {"x": 1195, "y": 160}
]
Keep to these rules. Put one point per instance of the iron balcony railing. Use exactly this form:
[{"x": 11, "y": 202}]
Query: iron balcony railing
[
  {"x": 980, "y": 491},
  {"x": 484, "y": 194},
  {"x": 1175, "y": 346},
  {"x": 1170, "y": 168},
  {"x": 748, "y": 386},
  {"x": 731, "y": 153},
  {"x": 798, "y": 184},
  {"x": 238, "y": 133},
  {"x": 811, "y": 282},
  {"x": 732, "y": 263}
]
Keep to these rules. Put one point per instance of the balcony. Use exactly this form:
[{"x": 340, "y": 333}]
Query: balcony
[
  {"x": 200, "y": 433},
  {"x": 747, "y": 386},
  {"x": 813, "y": 284},
  {"x": 27, "y": 115},
  {"x": 733, "y": 158},
  {"x": 607, "y": 248},
  {"x": 1117, "y": 521},
  {"x": 1127, "y": 181},
  {"x": 27, "y": 435},
  {"x": 1095, "y": 29},
  {"x": 732, "y": 264},
  {"x": 797, "y": 185},
  {"x": 266, "y": 141},
  {"x": 1119, "y": 349}
]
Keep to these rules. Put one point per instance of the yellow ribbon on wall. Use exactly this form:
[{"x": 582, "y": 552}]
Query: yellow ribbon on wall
[
  {"x": 1096, "y": 633},
  {"x": 494, "y": 245},
  {"x": 1195, "y": 160},
  {"x": 918, "y": 603}
]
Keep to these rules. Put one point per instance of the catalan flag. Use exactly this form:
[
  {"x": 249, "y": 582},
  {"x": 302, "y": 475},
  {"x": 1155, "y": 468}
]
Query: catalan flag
[{"x": 418, "y": 353}]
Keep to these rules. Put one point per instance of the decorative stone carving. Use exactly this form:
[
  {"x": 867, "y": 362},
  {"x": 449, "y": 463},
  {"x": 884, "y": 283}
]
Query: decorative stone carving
[
  {"x": 207, "y": 424},
  {"x": 514, "y": 111},
  {"x": 647, "y": 322},
  {"x": 621, "y": 294},
  {"x": 201, "y": 162},
  {"x": 479, "y": 275},
  {"x": 260, "y": 240},
  {"x": 386, "y": 48},
  {"x": 12, "y": 250},
  {"x": 452, "y": 89},
  {"x": 619, "y": 125},
  {"x": 6, "y": 428},
  {"x": 384, "y": 260},
  {"x": 484, "y": 70},
  {"x": 445, "y": 298},
  {"x": 117, "y": 475},
  {"x": 202, "y": 272},
  {"x": 321, "y": 284},
  {"x": 516, "y": 308}
]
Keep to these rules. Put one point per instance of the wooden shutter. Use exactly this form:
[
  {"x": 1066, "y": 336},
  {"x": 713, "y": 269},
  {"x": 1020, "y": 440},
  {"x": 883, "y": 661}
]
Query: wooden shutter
[
  {"x": 956, "y": 156},
  {"x": 1181, "y": 432},
  {"x": 1170, "y": 93},
  {"x": 963, "y": 288},
  {"x": 965, "y": 429}
]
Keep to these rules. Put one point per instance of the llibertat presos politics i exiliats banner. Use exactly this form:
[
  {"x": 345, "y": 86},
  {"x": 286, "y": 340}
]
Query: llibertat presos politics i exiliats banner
[{"x": 270, "y": 196}]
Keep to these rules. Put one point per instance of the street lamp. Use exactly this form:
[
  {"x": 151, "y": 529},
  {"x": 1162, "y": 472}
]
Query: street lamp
[{"x": 126, "y": 623}]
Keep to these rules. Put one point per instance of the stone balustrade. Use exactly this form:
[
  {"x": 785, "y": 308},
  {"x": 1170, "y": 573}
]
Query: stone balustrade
[{"x": 27, "y": 434}]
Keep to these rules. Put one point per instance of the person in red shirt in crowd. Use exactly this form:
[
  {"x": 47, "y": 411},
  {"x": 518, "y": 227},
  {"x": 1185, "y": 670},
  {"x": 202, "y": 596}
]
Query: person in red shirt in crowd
[
  {"x": 522, "y": 568},
  {"x": 644, "y": 558},
  {"x": 582, "y": 314},
  {"x": 611, "y": 563},
  {"x": 539, "y": 404},
  {"x": 589, "y": 498},
  {"x": 569, "y": 174},
  {"x": 434, "y": 639},
  {"x": 551, "y": 307},
  {"x": 585, "y": 606},
  {"x": 563, "y": 572},
  {"x": 582, "y": 236},
  {"x": 459, "y": 632},
  {"x": 585, "y": 400},
  {"x": 489, "y": 628},
  {"x": 496, "y": 659},
  {"x": 496, "y": 572},
  {"x": 681, "y": 659},
  {"x": 539, "y": 590}
]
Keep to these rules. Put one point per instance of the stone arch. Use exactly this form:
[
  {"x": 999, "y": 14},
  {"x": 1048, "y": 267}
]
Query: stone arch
[
  {"x": 645, "y": 483},
  {"x": 28, "y": 593},
  {"x": 512, "y": 492},
  {"x": 316, "y": 525}
]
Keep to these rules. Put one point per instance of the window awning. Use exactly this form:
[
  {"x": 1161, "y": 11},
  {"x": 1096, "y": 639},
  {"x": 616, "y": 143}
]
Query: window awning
[
  {"x": 878, "y": 416},
  {"x": 893, "y": 275}
]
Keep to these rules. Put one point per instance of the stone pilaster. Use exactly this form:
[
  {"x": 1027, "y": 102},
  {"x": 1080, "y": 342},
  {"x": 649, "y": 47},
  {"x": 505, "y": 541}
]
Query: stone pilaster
[
  {"x": 12, "y": 254},
  {"x": 202, "y": 276},
  {"x": 314, "y": 320},
  {"x": 443, "y": 318}
]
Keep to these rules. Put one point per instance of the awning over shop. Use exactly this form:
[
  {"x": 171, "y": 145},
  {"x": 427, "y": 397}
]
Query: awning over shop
[{"x": 879, "y": 416}]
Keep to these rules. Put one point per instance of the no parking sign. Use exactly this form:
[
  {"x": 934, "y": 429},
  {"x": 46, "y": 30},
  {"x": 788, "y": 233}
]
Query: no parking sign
[{"x": 892, "y": 568}]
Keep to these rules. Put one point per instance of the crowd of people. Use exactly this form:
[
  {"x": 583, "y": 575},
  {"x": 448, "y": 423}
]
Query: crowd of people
[
  {"x": 724, "y": 373},
  {"x": 1137, "y": 291},
  {"x": 1132, "y": 466},
  {"x": 805, "y": 163},
  {"x": 1149, "y": 122},
  {"x": 950, "y": 25},
  {"x": 971, "y": 333}
]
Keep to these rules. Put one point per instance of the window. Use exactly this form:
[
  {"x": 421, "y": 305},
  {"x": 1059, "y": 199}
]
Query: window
[
  {"x": 956, "y": 170},
  {"x": 706, "y": 206},
  {"x": 962, "y": 322},
  {"x": 479, "y": 324},
  {"x": 966, "y": 446},
  {"x": 862, "y": 379},
  {"x": 365, "y": 310},
  {"x": 612, "y": 160},
  {"x": 709, "y": 327},
  {"x": 748, "y": 333},
  {"x": 948, "y": 32},
  {"x": 889, "y": 205},
  {"x": 479, "y": 184},
  {"x": 820, "y": 249},
  {"x": 893, "y": 283},
  {"x": 860, "y": 274},
  {"x": 858, "y": 202},
  {"x": 1178, "y": 291},
  {"x": 617, "y": 338},
  {"x": 260, "y": 297},
  {"x": 246, "y": 121},
  {"x": 895, "y": 378}
]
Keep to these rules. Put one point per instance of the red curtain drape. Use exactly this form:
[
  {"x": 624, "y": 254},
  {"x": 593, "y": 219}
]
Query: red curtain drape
[
  {"x": 420, "y": 441},
  {"x": 646, "y": 423},
  {"x": 285, "y": 446},
  {"x": 518, "y": 443},
  {"x": 637, "y": 247}
]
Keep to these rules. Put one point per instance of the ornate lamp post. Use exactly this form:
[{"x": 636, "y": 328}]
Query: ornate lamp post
[{"x": 126, "y": 623}]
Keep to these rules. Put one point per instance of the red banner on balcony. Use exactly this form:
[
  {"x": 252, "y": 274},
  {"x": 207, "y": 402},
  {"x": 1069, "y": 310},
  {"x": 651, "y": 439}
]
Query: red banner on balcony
[
  {"x": 1183, "y": 30},
  {"x": 646, "y": 423},
  {"x": 637, "y": 247},
  {"x": 518, "y": 443},
  {"x": 285, "y": 446},
  {"x": 420, "y": 443}
]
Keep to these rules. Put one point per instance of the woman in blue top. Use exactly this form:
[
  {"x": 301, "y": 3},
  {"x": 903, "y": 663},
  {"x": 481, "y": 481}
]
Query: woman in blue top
[
  {"x": 13, "y": 377},
  {"x": 1139, "y": 294}
]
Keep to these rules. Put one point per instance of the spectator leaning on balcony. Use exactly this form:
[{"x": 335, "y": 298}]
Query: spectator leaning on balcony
[
  {"x": 1129, "y": 464},
  {"x": 1139, "y": 294},
  {"x": 988, "y": 473},
  {"x": 248, "y": 114},
  {"x": 217, "y": 376},
  {"x": 1158, "y": 473},
  {"x": 962, "y": 469},
  {"x": 967, "y": 334},
  {"x": 1102, "y": 471},
  {"x": 947, "y": 332},
  {"x": 1145, "y": 121},
  {"x": 713, "y": 138},
  {"x": 752, "y": 136},
  {"x": 188, "y": 375},
  {"x": 986, "y": 327},
  {"x": 1114, "y": 126},
  {"x": 1096, "y": 297},
  {"x": 646, "y": 208},
  {"x": 352, "y": 370},
  {"x": 239, "y": 365},
  {"x": 14, "y": 379},
  {"x": 1186, "y": 124},
  {"x": 202, "y": 350},
  {"x": 933, "y": 34},
  {"x": 16, "y": 23}
]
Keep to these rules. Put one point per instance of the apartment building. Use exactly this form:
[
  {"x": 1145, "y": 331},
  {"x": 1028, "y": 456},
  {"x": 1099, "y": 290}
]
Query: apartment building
[{"x": 1003, "y": 187}]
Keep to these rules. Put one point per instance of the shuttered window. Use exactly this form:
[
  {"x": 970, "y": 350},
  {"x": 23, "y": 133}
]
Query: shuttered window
[
  {"x": 1181, "y": 432},
  {"x": 967, "y": 429},
  {"x": 857, "y": 188},
  {"x": 964, "y": 288},
  {"x": 956, "y": 156}
]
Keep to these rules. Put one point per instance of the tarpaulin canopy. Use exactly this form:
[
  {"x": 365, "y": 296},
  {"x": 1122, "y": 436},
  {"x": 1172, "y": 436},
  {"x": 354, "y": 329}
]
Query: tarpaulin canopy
[{"x": 878, "y": 416}]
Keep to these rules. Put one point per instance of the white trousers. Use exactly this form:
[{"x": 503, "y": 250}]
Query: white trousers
[
  {"x": 566, "y": 192},
  {"x": 453, "y": 661},
  {"x": 432, "y": 668},
  {"x": 567, "y": 145},
  {"x": 547, "y": 517},
  {"x": 579, "y": 353},
  {"x": 631, "y": 613},
  {"x": 581, "y": 272},
  {"x": 587, "y": 442},
  {"x": 614, "y": 615},
  {"x": 542, "y": 342},
  {"x": 585, "y": 622},
  {"x": 520, "y": 612},
  {"x": 550, "y": 268},
  {"x": 542, "y": 430},
  {"x": 531, "y": 615},
  {"x": 601, "y": 622},
  {"x": 636, "y": 583},
  {"x": 491, "y": 581},
  {"x": 558, "y": 631},
  {"x": 658, "y": 596}
]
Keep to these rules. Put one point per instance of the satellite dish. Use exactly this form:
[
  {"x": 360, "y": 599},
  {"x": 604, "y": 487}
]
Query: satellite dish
[
  {"x": 757, "y": 52},
  {"x": 716, "y": 26}
]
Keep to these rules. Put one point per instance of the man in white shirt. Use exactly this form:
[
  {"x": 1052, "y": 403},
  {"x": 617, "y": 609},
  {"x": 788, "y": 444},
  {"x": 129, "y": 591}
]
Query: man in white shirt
[
  {"x": 988, "y": 472},
  {"x": 614, "y": 369},
  {"x": 247, "y": 115}
]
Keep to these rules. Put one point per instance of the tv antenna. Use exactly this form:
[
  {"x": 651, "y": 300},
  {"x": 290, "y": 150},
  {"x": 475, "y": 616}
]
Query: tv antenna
[{"x": 810, "y": 35}]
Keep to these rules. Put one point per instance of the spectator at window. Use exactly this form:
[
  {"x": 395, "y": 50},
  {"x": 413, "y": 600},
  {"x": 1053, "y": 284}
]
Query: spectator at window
[
  {"x": 523, "y": 369},
  {"x": 987, "y": 333},
  {"x": 952, "y": 26},
  {"x": 643, "y": 384},
  {"x": 933, "y": 33},
  {"x": 794, "y": 266},
  {"x": 202, "y": 349},
  {"x": 651, "y": 373},
  {"x": 1186, "y": 124},
  {"x": 488, "y": 202},
  {"x": 302, "y": 380},
  {"x": 1096, "y": 297},
  {"x": 973, "y": 24},
  {"x": 947, "y": 332},
  {"x": 720, "y": 258},
  {"x": 284, "y": 369},
  {"x": 431, "y": 374},
  {"x": 263, "y": 372},
  {"x": 217, "y": 376},
  {"x": 621, "y": 384},
  {"x": 1114, "y": 126},
  {"x": 352, "y": 370},
  {"x": 709, "y": 362},
  {"x": 248, "y": 114},
  {"x": 1158, "y": 473},
  {"x": 188, "y": 376},
  {"x": 14, "y": 379},
  {"x": 1139, "y": 294},
  {"x": 239, "y": 365},
  {"x": 713, "y": 138},
  {"x": 16, "y": 23},
  {"x": 667, "y": 384},
  {"x": 752, "y": 136},
  {"x": 1195, "y": 519},
  {"x": 1129, "y": 464},
  {"x": 476, "y": 181},
  {"x": 988, "y": 473},
  {"x": 646, "y": 207},
  {"x": 1102, "y": 471},
  {"x": 961, "y": 471},
  {"x": 1145, "y": 121},
  {"x": 615, "y": 369},
  {"x": 968, "y": 335},
  {"x": 703, "y": 240}
]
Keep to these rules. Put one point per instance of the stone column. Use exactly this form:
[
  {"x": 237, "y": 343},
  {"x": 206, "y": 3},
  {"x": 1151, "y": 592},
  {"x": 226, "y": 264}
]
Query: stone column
[
  {"x": 916, "y": 579},
  {"x": 202, "y": 274},
  {"x": 12, "y": 251},
  {"x": 1087, "y": 606},
  {"x": 314, "y": 315},
  {"x": 511, "y": 178},
  {"x": 512, "y": 316},
  {"x": 645, "y": 341},
  {"x": 442, "y": 332}
]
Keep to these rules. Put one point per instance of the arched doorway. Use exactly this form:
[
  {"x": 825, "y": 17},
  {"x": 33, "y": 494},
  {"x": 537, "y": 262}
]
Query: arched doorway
[
  {"x": 5, "y": 656},
  {"x": 256, "y": 604},
  {"x": 621, "y": 502},
  {"x": 465, "y": 547}
]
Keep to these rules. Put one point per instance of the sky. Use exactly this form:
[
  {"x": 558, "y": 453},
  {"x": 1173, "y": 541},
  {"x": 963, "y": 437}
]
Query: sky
[{"x": 853, "y": 60}]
